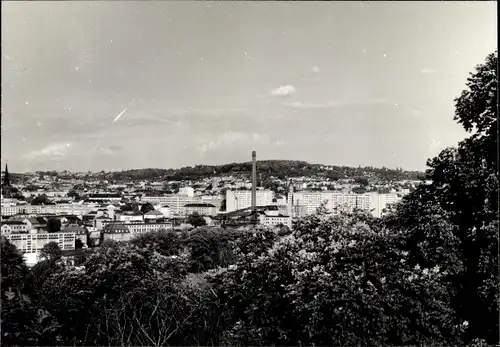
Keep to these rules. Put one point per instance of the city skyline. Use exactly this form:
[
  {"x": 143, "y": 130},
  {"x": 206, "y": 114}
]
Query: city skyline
[{"x": 120, "y": 85}]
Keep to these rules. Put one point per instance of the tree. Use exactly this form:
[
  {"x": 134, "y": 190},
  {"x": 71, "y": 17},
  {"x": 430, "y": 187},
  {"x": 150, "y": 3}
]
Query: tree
[
  {"x": 78, "y": 244},
  {"x": 465, "y": 190},
  {"x": 51, "y": 251},
  {"x": 23, "y": 322},
  {"x": 40, "y": 200},
  {"x": 145, "y": 208},
  {"x": 336, "y": 280},
  {"x": 196, "y": 220},
  {"x": 53, "y": 225}
]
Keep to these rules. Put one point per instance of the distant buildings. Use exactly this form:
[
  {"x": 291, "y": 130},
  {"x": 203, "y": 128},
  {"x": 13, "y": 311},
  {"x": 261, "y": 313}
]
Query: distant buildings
[
  {"x": 335, "y": 201},
  {"x": 201, "y": 208},
  {"x": 240, "y": 199},
  {"x": 33, "y": 241}
]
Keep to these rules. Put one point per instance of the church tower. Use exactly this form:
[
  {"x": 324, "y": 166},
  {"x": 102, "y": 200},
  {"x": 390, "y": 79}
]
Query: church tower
[{"x": 6, "y": 180}]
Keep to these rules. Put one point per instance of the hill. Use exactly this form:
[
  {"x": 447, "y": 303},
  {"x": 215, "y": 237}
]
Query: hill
[{"x": 281, "y": 169}]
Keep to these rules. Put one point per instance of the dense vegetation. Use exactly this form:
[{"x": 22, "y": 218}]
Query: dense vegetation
[
  {"x": 426, "y": 274},
  {"x": 281, "y": 169}
]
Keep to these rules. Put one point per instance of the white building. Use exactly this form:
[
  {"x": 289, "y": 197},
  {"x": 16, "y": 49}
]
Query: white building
[
  {"x": 129, "y": 217},
  {"x": 202, "y": 208},
  {"x": 14, "y": 227},
  {"x": 176, "y": 203},
  {"x": 33, "y": 242},
  {"x": 141, "y": 228},
  {"x": 186, "y": 191},
  {"x": 153, "y": 214},
  {"x": 240, "y": 199},
  {"x": 273, "y": 218},
  {"x": 164, "y": 209},
  {"x": 335, "y": 202}
]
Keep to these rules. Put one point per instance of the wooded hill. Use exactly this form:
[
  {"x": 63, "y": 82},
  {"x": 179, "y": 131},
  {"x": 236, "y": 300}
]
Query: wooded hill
[{"x": 281, "y": 169}]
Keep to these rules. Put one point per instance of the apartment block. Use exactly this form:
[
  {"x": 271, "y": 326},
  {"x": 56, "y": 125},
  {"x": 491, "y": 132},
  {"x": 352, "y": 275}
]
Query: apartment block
[
  {"x": 33, "y": 242},
  {"x": 240, "y": 199}
]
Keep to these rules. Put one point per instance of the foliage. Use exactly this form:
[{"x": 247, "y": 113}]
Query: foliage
[
  {"x": 335, "y": 280},
  {"x": 281, "y": 169},
  {"x": 40, "y": 200},
  {"x": 196, "y": 220},
  {"x": 53, "y": 225},
  {"x": 145, "y": 208},
  {"x": 51, "y": 251},
  {"x": 23, "y": 322},
  {"x": 464, "y": 193}
]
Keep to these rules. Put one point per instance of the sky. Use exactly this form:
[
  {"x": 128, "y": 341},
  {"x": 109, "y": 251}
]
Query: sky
[{"x": 122, "y": 84}]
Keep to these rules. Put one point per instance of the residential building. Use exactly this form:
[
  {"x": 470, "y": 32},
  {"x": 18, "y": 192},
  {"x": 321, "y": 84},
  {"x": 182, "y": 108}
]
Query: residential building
[
  {"x": 81, "y": 233},
  {"x": 275, "y": 220},
  {"x": 203, "y": 209},
  {"x": 116, "y": 231},
  {"x": 336, "y": 202},
  {"x": 129, "y": 216},
  {"x": 153, "y": 215},
  {"x": 141, "y": 228},
  {"x": 240, "y": 199},
  {"x": 33, "y": 241},
  {"x": 175, "y": 202},
  {"x": 35, "y": 223},
  {"x": 98, "y": 221},
  {"x": 164, "y": 209},
  {"x": 14, "y": 227}
]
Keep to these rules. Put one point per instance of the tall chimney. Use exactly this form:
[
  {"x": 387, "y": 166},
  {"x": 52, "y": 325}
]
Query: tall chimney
[
  {"x": 290, "y": 199},
  {"x": 254, "y": 186}
]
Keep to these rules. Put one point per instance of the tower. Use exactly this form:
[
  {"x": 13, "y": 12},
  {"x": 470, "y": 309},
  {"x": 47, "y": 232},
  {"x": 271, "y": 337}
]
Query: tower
[
  {"x": 6, "y": 180},
  {"x": 290, "y": 199},
  {"x": 254, "y": 186}
]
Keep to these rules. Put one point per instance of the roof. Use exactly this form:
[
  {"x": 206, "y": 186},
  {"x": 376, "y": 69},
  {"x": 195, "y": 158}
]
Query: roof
[
  {"x": 154, "y": 213},
  {"x": 73, "y": 252},
  {"x": 102, "y": 217},
  {"x": 103, "y": 195},
  {"x": 36, "y": 220},
  {"x": 113, "y": 227},
  {"x": 198, "y": 204},
  {"x": 13, "y": 222},
  {"x": 75, "y": 229}
]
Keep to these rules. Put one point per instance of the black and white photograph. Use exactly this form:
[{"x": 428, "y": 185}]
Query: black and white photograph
[{"x": 249, "y": 173}]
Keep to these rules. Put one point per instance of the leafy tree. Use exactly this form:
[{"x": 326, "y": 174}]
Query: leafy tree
[
  {"x": 336, "y": 280},
  {"x": 464, "y": 190},
  {"x": 145, "y": 208},
  {"x": 131, "y": 295},
  {"x": 73, "y": 194},
  {"x": 208, "y": 248},
  {"x": 40, "y": 200},
  {"x": 165, "y": 242},
  {"x": 23, "y": 322},
  {"x": 53, "y": 225},
  {"x": 51, "y": 251},
  {"x": 363, "y": 181},
  {"x": 196, "y": 220}
]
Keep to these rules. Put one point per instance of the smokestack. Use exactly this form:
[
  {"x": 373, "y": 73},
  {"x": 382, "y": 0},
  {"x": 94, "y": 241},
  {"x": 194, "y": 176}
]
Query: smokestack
[{"x": 254, "y": 186}]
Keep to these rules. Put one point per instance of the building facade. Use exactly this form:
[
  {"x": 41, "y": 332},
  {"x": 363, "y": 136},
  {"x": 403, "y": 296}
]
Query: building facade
[
  {"x": 240, "y": 199},
  {"x": 33, "y": 242},
  {"x": 203, "y": 209}
]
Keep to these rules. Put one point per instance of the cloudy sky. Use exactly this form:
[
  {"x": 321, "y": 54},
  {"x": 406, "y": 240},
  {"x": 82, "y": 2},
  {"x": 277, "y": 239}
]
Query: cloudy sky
[{"x": 116, "y": 85}]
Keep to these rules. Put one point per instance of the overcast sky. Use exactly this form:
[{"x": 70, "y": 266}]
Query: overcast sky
[{"x": 208, "y": 82}]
